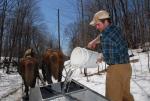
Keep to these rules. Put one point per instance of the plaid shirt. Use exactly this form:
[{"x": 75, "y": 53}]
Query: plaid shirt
[{"x": 114, "y": 47}]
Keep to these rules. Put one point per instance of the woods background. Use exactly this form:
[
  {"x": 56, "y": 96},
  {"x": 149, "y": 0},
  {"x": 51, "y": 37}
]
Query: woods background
[{"x": 22, "y": 27}]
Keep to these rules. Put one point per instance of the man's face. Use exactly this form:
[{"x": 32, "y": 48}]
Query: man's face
[{"x": 100, "y": 26}]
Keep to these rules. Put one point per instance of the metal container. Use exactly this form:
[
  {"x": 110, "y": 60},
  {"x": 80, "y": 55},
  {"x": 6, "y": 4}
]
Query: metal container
[{"x": 75, "y": 92}]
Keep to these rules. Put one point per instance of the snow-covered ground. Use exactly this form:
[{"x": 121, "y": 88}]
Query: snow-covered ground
[
  {"x": 140, "y": 82},
  {"x": 9, "y": 84}
]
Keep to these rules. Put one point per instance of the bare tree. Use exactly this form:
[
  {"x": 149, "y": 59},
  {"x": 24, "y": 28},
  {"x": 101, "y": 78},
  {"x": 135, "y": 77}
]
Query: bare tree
[
  {"x": 132, "y": 16},
  {"x": 3, "y": 8},
  {"x": 21, "y": 27}
]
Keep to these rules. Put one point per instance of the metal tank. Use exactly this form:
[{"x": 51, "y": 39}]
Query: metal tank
[{"x": 74, "y": 92}]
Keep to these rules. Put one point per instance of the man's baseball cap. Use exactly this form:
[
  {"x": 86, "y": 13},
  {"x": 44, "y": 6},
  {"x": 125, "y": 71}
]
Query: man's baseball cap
[{"x": 102, "y": 14}]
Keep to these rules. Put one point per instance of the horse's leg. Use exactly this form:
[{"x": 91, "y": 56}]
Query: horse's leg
[
  {"x": 41, "y": 78},
  {"x": 49, "y": 77},
  {"x": 26, "y": 97},
  {"x": 26, "y": 90},
  {"x": 60, "y": 73},
  {"x": 33, "y": 82},
  {"x": 48, "y": 74},
  {"x": 59, "y": 76},
  {"x": 44, "y": 71}
]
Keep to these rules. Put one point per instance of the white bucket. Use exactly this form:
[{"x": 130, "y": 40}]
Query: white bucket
[{"x": 84, "y": 58}]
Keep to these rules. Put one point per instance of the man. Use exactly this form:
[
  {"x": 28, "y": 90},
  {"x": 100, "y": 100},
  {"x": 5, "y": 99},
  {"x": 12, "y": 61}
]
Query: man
[{"x": 115, "y": 54}]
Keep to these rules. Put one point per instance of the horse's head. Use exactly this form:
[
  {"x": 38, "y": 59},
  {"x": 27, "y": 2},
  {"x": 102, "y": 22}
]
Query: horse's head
[
  {"x": 28, "y": 70},
  {"x": 54, "y": 60}
]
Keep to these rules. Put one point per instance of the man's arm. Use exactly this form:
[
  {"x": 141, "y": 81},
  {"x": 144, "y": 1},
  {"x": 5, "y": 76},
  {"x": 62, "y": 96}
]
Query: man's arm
[
  {"x": 97, "y": 39},
  {"x": 93, "y": 43}
]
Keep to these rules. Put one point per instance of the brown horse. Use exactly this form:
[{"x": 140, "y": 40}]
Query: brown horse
[
  {"x": 52, "y": 65},
  {"x": 28, "y": 71}
]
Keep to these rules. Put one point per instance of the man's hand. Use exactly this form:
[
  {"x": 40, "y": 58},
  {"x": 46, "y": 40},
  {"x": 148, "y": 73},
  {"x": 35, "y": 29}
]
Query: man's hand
[{"x": 91, "y": 45}]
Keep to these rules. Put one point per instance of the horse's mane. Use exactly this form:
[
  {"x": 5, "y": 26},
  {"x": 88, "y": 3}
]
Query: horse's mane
[{"x": 29, "y": 53}]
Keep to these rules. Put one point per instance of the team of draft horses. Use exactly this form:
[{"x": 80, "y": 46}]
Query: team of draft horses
[{"x": 51, "y": 64}]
